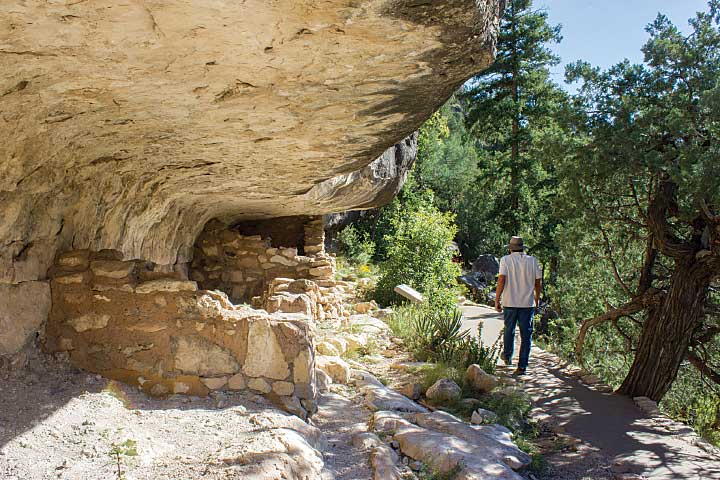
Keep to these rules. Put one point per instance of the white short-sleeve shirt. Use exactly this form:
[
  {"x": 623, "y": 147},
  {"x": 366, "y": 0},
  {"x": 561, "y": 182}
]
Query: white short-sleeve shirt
[{"x": 521, "y": 271}]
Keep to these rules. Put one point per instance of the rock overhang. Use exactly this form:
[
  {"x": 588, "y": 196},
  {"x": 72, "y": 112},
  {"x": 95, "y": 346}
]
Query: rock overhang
[{"x": 129, "y": 126}]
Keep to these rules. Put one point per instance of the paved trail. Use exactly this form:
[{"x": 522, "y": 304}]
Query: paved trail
[{"x": 610, "y": 424}]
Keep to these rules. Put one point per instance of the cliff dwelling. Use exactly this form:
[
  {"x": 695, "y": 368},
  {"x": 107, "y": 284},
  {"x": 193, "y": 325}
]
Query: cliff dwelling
[{"x": 165, "y": 166}]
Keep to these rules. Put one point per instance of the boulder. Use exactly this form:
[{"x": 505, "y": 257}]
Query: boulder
[
  {"x": 444, "y": 390},
  {"x": 365, "y": 307},
  {"x": 356, "y": 341},
  {"x": 495, "y": 441},
  {"x": 335, "y": 367},
  {"x": 326, "y": 348},
  {"x": 476, "y": 458},
  {"x": 483, "y": 417},
  {"x": 384, "y": 462},
  {"x": 476, "y": 378},
  {"x": 412, "y": 390},
  {"x": 383, "y": 398},
  {"x": 487, "y": 266},
  {"x": 339, "y": 343},
  {"x": 361, "y": 378},
  {"x": 369, "y": 325},
  {"x": 647, "y": 405}
]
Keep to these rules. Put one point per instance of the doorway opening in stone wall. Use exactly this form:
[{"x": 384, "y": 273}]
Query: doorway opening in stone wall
[{"x": 243, "y": 258}]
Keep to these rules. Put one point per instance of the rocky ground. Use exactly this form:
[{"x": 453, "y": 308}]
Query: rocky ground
[
  {"x": 375, "y": 422},
  {"x": 59, "y": 423}
]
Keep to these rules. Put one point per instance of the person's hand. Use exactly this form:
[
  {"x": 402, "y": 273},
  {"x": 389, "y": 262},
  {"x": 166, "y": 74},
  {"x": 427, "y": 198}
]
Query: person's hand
[{"x": 498, "y": 307}]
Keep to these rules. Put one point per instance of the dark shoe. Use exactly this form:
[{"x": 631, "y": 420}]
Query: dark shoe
[
  {"x": 520, "y": 371},
  {"x": 508, "y": 362}
]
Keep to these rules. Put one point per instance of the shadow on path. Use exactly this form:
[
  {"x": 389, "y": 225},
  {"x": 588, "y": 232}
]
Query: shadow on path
[{"x": 654, "y": 447}]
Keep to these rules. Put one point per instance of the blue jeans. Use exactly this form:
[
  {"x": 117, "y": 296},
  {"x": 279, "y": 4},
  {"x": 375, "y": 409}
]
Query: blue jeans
[{"x": 523, "y": 317}]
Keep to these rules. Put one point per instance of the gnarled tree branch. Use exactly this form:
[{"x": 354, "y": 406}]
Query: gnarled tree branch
[
  {"x": 635, "y": 305},
  {"x": 662, "y": 204},
  {"x": 702, "y": 367}
]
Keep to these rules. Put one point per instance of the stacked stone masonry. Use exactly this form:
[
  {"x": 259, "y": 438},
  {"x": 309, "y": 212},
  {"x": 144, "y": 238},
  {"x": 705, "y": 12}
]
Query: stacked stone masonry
[
  {"x": 262, "y": 268},
  {"x": 125, "y": 321}
]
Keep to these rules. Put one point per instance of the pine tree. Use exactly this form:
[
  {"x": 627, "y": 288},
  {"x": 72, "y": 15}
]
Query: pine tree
[{"x": 512, "y": 108}]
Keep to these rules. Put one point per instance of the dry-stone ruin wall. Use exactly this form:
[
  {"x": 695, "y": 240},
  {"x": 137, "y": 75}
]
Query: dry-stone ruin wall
[
  {"x": 126, "y": 128},
  {"x": 158, "y": 331},
  {"x": 243, "y": 265}
]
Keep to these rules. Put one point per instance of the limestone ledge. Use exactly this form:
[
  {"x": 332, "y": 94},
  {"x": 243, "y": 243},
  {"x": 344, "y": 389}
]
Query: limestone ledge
[{"x": 166, "y": 336}]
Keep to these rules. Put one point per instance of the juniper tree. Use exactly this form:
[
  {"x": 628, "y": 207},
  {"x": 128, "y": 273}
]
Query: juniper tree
[{"x": 646, "y": 178}]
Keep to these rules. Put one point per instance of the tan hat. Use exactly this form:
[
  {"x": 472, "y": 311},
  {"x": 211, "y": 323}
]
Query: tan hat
[{"x": 516, "y": 243}]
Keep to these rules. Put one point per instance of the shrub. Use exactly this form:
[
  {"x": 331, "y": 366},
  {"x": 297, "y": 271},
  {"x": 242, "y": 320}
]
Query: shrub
[
  {"x": 439, "y": 336},
  {"x": 420, "y": 255},
  {"x": 432, "y": 372},
  {"x": 355, "y": 246},
  {"x": 484, "y": 356}
]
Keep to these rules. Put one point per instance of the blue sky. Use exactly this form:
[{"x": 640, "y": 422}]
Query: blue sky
[{"x": 604, "y": 32}]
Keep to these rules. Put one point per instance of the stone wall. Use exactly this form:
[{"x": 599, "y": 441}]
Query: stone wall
[
  {"x": 157, "y": 330},
  {"x": 242, "y": 260}
]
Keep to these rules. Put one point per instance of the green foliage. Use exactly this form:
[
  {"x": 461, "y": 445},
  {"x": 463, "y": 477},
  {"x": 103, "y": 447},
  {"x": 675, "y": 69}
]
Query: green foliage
[
  {"x": 420, "y": 255},
  {"x": 694, "y": 400},
  {"x": 432, "y": 372},
  {"x": 438, "y": 335},
  {"x": 120, "y": 453},
  {"x": 485, "y": 356},
  {"x": 643, "y": 136},
  {"x": 429, "y": 473},
  {"x": 512, "y": 110},
  {"x": 355, "y": 245},
  {"x": 511, "y": 407}
]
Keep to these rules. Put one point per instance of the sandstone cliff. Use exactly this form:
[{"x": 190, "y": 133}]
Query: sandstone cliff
[{"x": 130, "y": 126}]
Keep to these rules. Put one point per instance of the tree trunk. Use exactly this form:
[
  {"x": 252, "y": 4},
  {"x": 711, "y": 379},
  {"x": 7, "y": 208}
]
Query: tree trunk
[{"x": 667, "y": 332}]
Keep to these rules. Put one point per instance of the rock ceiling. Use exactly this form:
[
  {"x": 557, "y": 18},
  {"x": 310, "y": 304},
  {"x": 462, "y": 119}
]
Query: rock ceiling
[{"x": 128, "y": 125}]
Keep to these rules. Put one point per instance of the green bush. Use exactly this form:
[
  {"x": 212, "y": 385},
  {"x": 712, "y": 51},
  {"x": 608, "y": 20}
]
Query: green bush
[
  {"x": 420, "y": 255},
  {"x": 484, "y": 356},
  {"x": 437, "y": 336},
  {"x": 355, "y": 246}
]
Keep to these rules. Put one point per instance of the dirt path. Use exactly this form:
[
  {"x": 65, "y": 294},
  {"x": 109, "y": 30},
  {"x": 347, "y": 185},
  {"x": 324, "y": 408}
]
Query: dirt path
[
  {"x": 339, "y": 417},
  {"x": 617, "y": 437}
]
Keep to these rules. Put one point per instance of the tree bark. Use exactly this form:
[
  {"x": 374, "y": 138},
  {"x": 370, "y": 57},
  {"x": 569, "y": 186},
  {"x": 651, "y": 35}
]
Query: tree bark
[{"x": 667, "y": 332}]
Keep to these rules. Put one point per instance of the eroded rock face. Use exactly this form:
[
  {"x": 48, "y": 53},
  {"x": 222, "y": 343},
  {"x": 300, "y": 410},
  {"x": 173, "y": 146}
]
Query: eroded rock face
[
  {"x": 22, "y": 309},
  {"x": 128, "y": 126}
]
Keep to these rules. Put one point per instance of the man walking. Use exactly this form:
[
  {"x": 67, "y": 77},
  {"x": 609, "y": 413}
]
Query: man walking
[{"x": 519, "y": 277}]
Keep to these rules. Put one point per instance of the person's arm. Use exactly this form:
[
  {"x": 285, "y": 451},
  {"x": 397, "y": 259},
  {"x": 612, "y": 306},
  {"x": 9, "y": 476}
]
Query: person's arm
[
  {"x": 499, "y": 292},
  {"x": 538, "y": 283},
  {"x": 502, "y": 277}
]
